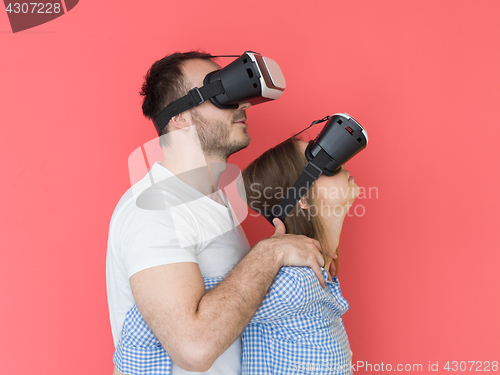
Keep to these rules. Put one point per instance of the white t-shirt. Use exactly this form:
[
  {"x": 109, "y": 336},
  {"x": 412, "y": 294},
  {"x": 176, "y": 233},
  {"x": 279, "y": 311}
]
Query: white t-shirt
[{"x": 190, "y": 227}]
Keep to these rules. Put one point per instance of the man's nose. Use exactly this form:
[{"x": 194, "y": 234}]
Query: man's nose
[{"x": 244, "y": 105}]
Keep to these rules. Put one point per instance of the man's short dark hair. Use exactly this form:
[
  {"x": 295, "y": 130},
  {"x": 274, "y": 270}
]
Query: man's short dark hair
[{"x": 164, "y": 82}]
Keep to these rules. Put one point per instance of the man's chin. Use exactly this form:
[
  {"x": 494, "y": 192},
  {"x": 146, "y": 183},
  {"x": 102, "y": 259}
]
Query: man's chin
[
  {"x": 243, "y": 143},
  {"x": 247, "y": 140},
  {"x": 242, "y": 138}
]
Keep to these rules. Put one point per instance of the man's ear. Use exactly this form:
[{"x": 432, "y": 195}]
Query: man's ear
[
  {"x": 303, "y": 203},
  {"x": 179, "y": 121}
]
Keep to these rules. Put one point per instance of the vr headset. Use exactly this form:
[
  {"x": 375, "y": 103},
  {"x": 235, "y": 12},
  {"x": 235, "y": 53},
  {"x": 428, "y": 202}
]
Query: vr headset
[
  {"x": 341, "y": 138},
  {"x": 250, "y": 78}
]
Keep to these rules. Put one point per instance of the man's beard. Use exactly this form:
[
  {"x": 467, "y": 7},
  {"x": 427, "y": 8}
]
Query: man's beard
[{"x": 214, "y": 136}]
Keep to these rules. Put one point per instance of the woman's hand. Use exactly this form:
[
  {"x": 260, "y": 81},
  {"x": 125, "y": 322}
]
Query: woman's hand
[{"x": 330, "y": 267}]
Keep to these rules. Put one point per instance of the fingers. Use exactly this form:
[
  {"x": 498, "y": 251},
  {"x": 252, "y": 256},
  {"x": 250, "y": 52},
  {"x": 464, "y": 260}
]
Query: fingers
[
  {"x": 320, "y": 259},
  {"x": 328, "y": 267},
  {"x": 333, "y": 270},
  {"x": 299, "y": 251},
  {"x": 318, "y": 273},
  {"x": 280, "y": 227},
  {"x": 331, "y": 253},
  {"x": 317, "y": 244}
]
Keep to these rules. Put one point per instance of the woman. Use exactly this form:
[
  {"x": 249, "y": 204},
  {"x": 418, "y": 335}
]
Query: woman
[{"x": 298, "y": 328}]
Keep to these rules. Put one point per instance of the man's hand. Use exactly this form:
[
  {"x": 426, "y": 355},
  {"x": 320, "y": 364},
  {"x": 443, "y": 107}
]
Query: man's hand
[{"x": 295, "y": 250}]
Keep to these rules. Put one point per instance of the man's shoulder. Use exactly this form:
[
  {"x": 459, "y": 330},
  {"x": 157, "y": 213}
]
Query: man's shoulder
[
  {"x": 156, "y": 191},
  {"x": 128, "y": 215}
]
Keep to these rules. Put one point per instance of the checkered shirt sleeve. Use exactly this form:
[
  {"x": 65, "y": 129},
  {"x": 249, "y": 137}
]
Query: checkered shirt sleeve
[
  {"x": 139, "y": 352},
  {"x": 298, "y": 329}
]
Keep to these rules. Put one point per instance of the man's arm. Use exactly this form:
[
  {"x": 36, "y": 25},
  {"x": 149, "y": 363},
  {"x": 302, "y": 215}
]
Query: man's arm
[{"x": 196, "y": 327}]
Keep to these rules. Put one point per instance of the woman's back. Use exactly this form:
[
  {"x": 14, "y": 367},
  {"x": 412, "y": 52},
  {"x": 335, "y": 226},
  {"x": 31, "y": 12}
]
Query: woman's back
[{"x": 298, "y": 327}]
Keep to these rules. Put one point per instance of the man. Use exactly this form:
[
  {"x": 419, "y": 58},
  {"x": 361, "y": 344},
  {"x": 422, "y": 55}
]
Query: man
[{"x": 157, "y": 259}]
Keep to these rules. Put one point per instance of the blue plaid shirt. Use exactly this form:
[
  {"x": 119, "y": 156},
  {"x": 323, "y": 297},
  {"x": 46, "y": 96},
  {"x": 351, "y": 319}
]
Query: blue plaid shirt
[{"x": 298, "y": 329}]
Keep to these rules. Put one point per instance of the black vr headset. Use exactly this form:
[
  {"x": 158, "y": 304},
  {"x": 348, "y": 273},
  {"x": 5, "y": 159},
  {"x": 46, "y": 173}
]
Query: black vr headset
[
  {"x": 341, "y": 138},
  {"x": 250, "y": 78}
]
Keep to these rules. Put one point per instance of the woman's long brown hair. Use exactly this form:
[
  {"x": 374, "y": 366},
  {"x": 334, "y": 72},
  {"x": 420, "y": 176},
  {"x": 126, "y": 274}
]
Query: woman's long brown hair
[{"x": 267, "y": 180}]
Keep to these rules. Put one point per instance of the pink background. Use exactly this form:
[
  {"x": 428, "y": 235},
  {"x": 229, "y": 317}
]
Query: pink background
[{"x": 419, "y": 268}]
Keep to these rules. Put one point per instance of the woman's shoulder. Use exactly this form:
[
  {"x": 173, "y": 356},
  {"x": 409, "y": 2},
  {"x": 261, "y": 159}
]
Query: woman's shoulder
[
  {"x": 306, "y": 283},
  {"x": 308, "y": 290},
  {"x": 297, "y": 284},
  {"x": 303, "y": 274}
]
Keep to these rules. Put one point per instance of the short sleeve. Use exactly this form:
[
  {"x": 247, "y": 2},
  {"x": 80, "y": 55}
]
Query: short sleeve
[{"x": 151, "y": 239}]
